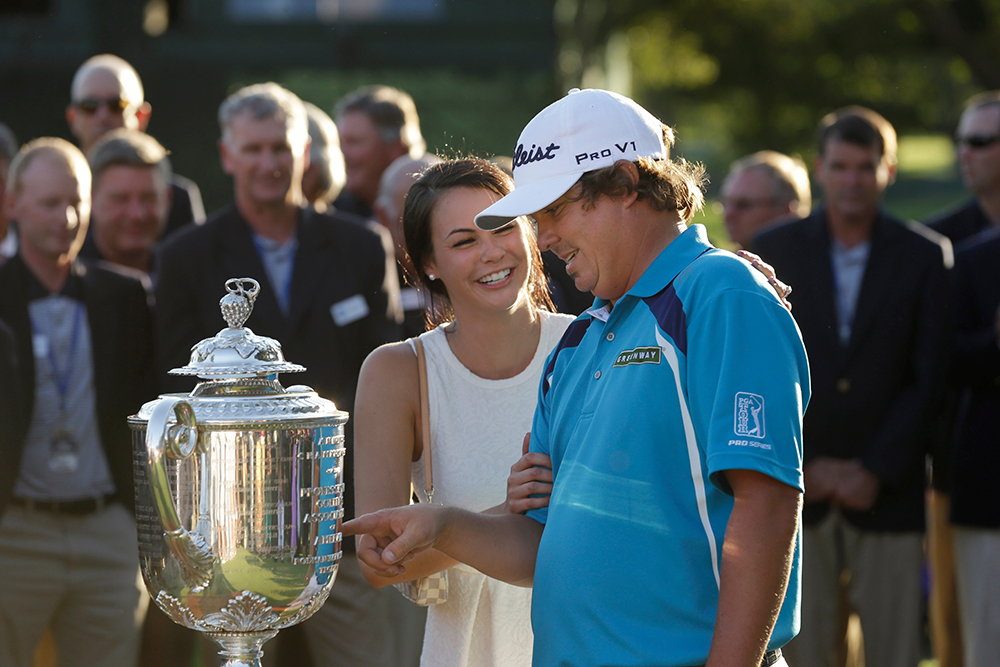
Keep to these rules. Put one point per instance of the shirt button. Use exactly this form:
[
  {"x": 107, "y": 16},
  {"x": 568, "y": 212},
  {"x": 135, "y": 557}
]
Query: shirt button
[
  {"x": 843, "y": 385},
  {"x": 611, "y": 336},
  {"x": 597, "y": 375}
]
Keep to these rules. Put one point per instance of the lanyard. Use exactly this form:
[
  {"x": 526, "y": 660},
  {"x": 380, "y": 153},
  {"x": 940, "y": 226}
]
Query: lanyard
[{"x": 63, "y": 375}]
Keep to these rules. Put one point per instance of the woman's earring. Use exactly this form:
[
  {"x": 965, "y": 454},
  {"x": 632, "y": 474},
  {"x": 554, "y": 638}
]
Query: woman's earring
[{"x": 431, "y": 277}]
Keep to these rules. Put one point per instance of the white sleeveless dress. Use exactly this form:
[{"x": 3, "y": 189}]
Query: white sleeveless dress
[{"x": 477, "y": 427}]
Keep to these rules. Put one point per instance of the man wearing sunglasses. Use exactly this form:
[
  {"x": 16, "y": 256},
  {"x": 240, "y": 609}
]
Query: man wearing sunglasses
[
  {"x": 106, "y": 94},
  {"x": 977, "y": 145},
  {"x": 977, "y": 148}
]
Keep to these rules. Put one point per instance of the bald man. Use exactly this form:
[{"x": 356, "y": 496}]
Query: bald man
[
  {"x": 83, "y": 335},
  {"x": 107, "y": 94}
]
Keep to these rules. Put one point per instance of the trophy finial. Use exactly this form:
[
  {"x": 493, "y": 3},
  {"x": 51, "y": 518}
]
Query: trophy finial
[
  {"x": 236, "y": 351},
  {"x": 238, "y": 303}
]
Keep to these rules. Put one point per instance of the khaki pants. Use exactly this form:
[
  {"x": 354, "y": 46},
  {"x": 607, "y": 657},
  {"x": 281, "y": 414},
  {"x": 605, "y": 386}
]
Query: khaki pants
[
  {"x": 77, "y": 576},
  {"x": 884, "y": 589},
  {"x": 977, "y": 560}
]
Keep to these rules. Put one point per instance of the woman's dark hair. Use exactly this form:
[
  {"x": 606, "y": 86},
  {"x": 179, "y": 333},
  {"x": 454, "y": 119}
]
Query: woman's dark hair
[{"x": 422, "y": 199}]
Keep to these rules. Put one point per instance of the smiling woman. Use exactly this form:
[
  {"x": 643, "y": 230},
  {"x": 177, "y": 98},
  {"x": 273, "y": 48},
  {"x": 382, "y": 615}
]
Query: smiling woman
[
  {"x": 431, "y": 199},
  {"x": 485, "y": 356}
]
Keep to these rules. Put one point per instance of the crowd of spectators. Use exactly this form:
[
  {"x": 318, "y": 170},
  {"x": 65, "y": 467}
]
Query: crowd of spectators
[{"x": 104, "y": 250}]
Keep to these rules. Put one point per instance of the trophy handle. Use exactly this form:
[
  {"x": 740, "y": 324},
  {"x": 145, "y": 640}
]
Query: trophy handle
[{"x": 179, "y": 441}]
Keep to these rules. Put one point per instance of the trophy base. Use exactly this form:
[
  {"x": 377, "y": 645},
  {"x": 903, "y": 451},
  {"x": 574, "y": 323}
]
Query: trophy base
[{"x": 242, "y": 649}]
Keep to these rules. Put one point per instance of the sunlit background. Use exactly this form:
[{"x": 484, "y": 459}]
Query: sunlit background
[{"x": 733, "y": 76}]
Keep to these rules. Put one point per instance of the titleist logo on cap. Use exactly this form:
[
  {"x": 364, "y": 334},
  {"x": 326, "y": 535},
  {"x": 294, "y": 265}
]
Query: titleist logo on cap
[{"x": 533, "y": 154}]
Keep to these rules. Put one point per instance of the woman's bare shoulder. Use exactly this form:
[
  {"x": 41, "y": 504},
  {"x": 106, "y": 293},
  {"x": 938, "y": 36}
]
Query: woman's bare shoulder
[{"x": 391, "y": 365}]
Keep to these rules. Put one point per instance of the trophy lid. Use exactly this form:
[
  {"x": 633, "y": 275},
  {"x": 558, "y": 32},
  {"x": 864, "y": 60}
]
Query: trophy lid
[{"x": 236, "y": 352}]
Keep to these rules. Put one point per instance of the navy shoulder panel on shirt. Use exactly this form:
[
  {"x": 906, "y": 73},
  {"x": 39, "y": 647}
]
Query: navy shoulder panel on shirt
[
  {"x": 718, "y": 267},
  {"x": 571, "y": 338},
  {"x": 668, "y": 310}
]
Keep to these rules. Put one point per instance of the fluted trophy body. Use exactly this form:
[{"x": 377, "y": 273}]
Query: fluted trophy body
[{"x": 239, "y": 491}]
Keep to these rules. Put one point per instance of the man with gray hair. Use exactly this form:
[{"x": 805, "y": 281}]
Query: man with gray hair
[
  {"x": 107, "y": 94},
  {"x": 377, "y": 124},
  {"x": 131, "y": 197},
  {"x": 329, "y": 294},
  {"x": 324, "y": 178},
  {"x": 761, "y": 189},
  {"x": 8, "y": 235},
  {"x": 84, "y": 349}
]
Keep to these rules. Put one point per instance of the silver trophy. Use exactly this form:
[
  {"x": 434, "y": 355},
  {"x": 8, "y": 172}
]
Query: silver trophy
[{"x": 239, "y": 491}]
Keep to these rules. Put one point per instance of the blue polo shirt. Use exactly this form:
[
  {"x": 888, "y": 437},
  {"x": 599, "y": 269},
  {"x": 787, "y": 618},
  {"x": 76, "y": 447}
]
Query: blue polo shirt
[{"x": 698, "y": 369}]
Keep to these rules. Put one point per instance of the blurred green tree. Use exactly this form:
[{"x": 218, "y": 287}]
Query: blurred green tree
[{"x": 740, "y": 75}]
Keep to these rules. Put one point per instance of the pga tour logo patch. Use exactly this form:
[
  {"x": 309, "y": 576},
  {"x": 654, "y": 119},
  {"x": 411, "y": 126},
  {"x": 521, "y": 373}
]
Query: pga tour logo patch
[{"x": 749, "y": 415}]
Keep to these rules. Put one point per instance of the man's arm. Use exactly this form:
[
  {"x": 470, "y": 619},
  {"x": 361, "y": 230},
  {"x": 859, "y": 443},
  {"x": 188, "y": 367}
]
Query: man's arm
[
  {"x": 501, "y": 546},
  {"x": 977, "y": 320},
  {"x": 756, "y": 564}
]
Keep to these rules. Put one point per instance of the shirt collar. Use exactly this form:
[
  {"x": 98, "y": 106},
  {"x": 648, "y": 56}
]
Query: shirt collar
[{"x": 72, "y": 288}]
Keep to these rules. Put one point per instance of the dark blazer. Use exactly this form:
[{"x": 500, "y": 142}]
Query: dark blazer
[
  {"x": 340, "y": 259},
  {"x": 346, "y": 202},
  {"x": 11, "y": 410},
  {"x": 121, "y": 332},
  {"x": 875, "y": 398},
  {"x": 961, "y": 223},
  {"x": 185, "y": 205},
  {"x": 976, "y": 454}
]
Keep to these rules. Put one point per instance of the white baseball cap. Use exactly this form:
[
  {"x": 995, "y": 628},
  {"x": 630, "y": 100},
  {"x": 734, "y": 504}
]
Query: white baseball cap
[{"x": 586, "y": 130}]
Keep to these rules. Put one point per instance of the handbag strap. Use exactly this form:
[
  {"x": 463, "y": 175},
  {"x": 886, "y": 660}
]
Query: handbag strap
[{"x": 425, "y": 419}]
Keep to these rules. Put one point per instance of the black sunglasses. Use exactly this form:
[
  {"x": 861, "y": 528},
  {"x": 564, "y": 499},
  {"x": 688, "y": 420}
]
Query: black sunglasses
[
  {"x": 977, "y": 140},
  {"x": 90, "y": 105}
]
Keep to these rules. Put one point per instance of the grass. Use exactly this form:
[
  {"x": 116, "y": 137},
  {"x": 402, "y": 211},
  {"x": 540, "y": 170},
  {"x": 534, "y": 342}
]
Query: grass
[{"x": 926, "y": 156}]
